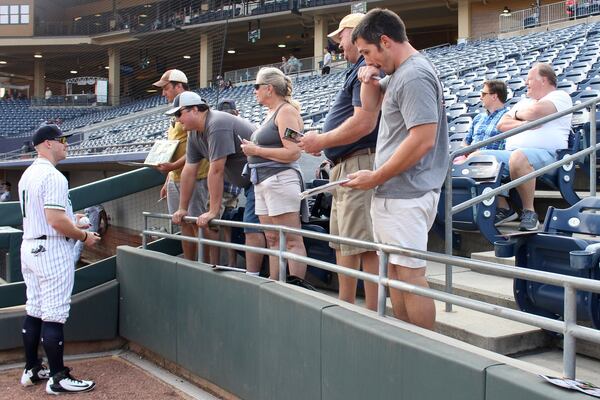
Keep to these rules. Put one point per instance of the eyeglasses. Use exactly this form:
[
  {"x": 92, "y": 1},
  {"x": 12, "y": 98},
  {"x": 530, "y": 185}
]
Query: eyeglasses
[
  {"x": 62, "y": 140},
  {"x": 485, "y": 93},
  {"x": 258, "y": 85}
]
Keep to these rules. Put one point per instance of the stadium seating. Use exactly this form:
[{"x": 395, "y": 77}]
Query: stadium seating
[
  {"x": 566, "y": 246},
  {"x": 473, "y": 177},
  {"x": 462, "y": 68}
]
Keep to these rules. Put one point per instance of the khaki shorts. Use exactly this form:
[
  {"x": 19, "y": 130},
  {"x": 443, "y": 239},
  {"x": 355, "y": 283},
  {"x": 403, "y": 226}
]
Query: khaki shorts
[
  {"x": 405, "y": 223},
  {"x": 278, "y": 194},
  {"x": 350, "y": 209},
  {"x": 198, "y": 201}
]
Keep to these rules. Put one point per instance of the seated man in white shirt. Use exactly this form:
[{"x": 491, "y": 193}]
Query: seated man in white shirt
[{"x": 535, "y": 148}]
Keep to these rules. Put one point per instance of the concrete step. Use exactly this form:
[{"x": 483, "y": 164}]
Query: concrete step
[
  {"x": 473, "y": 285},
  {"x": 489, "y": 332},
  {"x": 491, "y": 257}
]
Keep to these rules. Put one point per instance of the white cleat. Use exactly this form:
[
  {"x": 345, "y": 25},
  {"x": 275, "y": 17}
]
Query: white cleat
[
  {"x": 34, "y": 375},
  {"x": 63, "y": 382}
]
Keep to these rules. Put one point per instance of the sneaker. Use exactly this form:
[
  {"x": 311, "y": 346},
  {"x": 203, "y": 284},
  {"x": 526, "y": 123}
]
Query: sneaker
[
  {"x": 32, "y": 376},
  {"x": 63, "y": 382},
  {"x": 505, "y": 215},
  {"x": 529, "y": 221}
]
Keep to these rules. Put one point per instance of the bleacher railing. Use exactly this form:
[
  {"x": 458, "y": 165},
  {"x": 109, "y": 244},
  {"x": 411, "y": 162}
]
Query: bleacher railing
[
  {"x": 569, "y": 344},
  {"x": 568, "y": 327},
  {"x": 308, "y": 65},
  {"x": 547, "y": 14}
]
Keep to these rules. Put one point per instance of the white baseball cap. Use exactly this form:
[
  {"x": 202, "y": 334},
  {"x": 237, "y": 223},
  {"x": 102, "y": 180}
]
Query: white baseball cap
[
  {"x": 172, "y": 75},
  {"x": 349, "y": 21},
  {"x": 187, "y": 99}
]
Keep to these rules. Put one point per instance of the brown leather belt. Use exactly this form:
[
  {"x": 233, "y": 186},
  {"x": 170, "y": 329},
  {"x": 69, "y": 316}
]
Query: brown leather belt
[{"x": 359, "y": 152}]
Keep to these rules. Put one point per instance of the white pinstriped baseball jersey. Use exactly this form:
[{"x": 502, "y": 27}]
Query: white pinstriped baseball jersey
[{"x": 42, "y": 186}]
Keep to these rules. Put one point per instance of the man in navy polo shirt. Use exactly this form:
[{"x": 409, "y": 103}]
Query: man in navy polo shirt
[{"x": 349, "y": 139}]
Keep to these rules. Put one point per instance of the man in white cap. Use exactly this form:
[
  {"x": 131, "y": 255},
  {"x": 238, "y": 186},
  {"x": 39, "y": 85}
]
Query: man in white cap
[
  {"x": 349, "y": 139},
  {"x": 216, "y": 136},
  {"x": 173, "y": 82}
]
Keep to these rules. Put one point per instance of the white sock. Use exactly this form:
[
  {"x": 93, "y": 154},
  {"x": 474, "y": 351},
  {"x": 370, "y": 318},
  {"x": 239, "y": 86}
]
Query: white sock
[{"x": 252, "y": 273}]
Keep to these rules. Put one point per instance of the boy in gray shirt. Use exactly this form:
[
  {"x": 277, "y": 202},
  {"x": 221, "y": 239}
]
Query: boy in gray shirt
[{"x": 411, "y": 154}]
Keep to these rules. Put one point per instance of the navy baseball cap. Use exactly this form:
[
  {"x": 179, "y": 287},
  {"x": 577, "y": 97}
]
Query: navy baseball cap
[
  {"x": 226, "y": 105},
  {"x": 48, "y": 132}
]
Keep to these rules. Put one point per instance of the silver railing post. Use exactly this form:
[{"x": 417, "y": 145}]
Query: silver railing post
[
  {"x": 144, "y": 238},
  {"x": 282, "y": 263},
  {"x": 593, "y": 155},
  {"x": 381, "y": 294},
  {"x": 200, "y": 244},
  {"x": 569, "y": 340},
  {"x": 448, "y": 231}
]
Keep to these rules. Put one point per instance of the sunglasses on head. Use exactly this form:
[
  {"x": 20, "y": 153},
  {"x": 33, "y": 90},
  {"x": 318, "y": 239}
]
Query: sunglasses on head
[
  {"x": 258, "y": 85},
  {"x": 62, "y": 140}
]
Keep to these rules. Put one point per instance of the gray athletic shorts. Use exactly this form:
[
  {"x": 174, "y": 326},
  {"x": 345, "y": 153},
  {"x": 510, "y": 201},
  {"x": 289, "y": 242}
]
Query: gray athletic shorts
[{"x": 198, "y": 202}]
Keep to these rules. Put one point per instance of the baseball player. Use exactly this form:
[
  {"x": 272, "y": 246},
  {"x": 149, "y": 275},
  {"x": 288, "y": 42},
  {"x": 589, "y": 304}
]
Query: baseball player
[{"x": 49, "y": 232}]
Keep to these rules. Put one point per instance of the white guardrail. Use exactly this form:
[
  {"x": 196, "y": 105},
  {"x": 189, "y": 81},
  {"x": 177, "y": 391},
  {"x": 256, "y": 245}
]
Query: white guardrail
[{"x": 547, "y": 14}]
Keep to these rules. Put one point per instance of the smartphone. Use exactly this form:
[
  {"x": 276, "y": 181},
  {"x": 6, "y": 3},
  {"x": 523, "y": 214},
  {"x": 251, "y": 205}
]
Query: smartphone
[{"x": 292, "y": 135}]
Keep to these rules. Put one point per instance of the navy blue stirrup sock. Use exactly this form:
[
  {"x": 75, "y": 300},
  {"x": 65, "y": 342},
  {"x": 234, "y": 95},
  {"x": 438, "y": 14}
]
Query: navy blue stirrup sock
[
  {"x": 32, "y": 328},
  {"x": 53, "y": 342}
]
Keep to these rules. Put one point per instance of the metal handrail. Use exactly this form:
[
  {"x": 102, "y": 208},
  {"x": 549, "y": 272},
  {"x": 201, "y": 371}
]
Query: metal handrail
[
  {"x": 569, "y": 342},
  {"x": 569, "y": 327}
]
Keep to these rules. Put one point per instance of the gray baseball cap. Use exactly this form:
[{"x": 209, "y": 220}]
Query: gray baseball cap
[{"x": 187, "y": 99}]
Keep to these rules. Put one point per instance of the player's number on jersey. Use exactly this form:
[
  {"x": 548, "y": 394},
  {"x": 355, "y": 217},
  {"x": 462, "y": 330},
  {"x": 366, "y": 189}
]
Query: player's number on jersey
[{"x": 24, "y": 200}]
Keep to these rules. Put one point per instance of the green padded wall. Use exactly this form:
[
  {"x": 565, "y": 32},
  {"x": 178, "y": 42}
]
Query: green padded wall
[
  {"x": 260, "y": 340},
  {"x": 219, "y": 330},
  {"x": 147, "y": 301},
  {"x": 93, "y": 316},
  {"x": 290, "y": 343},
  {"x": 504, "y": 382},
  {"x": 364, "y": 358}
]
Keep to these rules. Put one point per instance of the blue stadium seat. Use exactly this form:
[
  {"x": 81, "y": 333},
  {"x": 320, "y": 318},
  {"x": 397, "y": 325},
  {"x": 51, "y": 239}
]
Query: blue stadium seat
[
  {"x": 474, "y": 176},
  {"x": 556, "y": 250}
]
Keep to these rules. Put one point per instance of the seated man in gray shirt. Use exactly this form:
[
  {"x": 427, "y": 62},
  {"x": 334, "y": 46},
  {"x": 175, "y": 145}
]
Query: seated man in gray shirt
[
  {"x": 411, "y": 157},
  {"x": 215, "y": 135}
]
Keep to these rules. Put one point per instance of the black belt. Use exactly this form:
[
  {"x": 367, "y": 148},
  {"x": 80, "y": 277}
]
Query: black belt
[
  {"x": 44, "y": 237},
  {"x": 359, "y": 152}
]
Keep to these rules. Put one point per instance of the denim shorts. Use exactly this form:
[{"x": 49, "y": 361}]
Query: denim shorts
[
  {"x": 538, "y": 158},
  {"x": 249, "y": 215}
]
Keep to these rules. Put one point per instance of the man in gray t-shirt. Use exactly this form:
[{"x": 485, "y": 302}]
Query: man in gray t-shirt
[
  {"x": 216, "y": 136},
  {"x": 411, "y": 154}
]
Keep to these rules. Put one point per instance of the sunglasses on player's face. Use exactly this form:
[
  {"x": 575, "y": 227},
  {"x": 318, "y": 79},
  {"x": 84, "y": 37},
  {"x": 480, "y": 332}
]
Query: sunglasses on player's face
[{"x": 62, "y": 140}]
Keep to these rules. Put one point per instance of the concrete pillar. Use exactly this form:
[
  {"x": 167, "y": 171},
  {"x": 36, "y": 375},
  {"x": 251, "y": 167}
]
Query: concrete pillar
[
  {"x": 464, "y": 20},
  {"x": 114, "y": 76},
  {"x": 320, "y": 38},
  {"x": 39, "y": 82},
  {"x": 206, "y": 60}
]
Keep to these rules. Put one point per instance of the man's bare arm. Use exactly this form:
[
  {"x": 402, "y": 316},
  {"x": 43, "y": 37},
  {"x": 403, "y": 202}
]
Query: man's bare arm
[
  {"x": 536, "y": 110},
  {"x": 216, "y": 172},
  {"x": 360, "y": 124}
]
